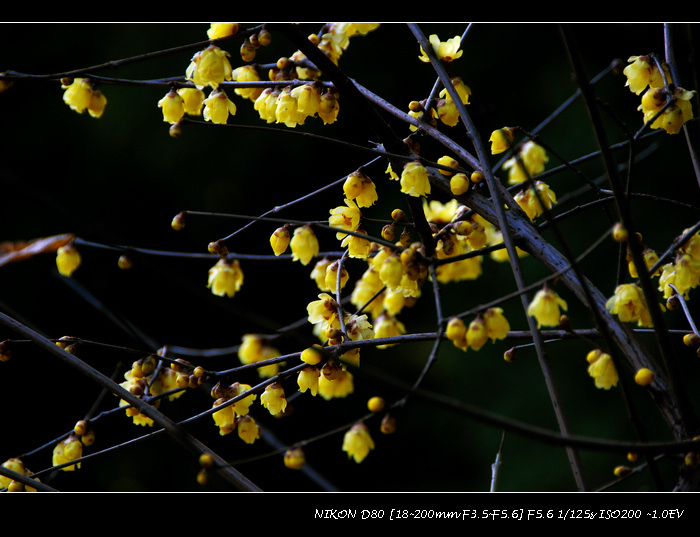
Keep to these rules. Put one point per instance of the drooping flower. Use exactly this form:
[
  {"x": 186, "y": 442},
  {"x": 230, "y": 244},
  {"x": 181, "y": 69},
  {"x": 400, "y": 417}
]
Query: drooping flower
[
  {"x": 477, "y": 333},
  {"x": 674, "y": 116},
  {"x": 529, "y": 162},
  {"x": 347, "y": 218},
  {"x": 643, "y": 71},
  {"x": 193, "y": 99},
  {"x": 307, "y": 379},
  {"x": 68, "y": 259},
  {"x": 16, "y": 465},
  {"x": 329, "y": 106},
  {"x": 280, "y": 239},
  {"x": 337, "y": 386},
  {"x": 225, "y": 277},
  {"x": 254, "y": 348},
  {"x": 247, "y": 73},
  {"x": 415, "y": 180},
  {"x": 67, "y": 450},
  {"x": 294, "y": 458},
  {"x": 445, "y": 51},
  {"x": 304, "y": 245},
  {"x": 361, "y": 189},
  {"x": 501, "y": 140},
  {"x": 173, "y": 107},
  {"x": 630, "y": 305},
  {"x": 357, "y": 442},
  {"x": 273, "y": 399},
  {"x": 226, "y": 418},
  {"x": 78, "y": 94},
  {"x": 546, "y": 307},
  {"x": 217, "y": 107},
  {"x": 536, "y": 199},
  {"x": 248, "y": 429},
  {"x": 98, "y": 102},
  {"x": 602, "y": 369},
  {"x": 497, "y": 326},
  {"x": 209, "y": 67},
  {"x": 217, "y": 30}
]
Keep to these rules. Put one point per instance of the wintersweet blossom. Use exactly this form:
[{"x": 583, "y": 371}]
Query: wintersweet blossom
[
  {"x": 193, "y": 100},
  {"x": 643, "y": 71},
  {"x": 536, "y": 199},
  {"x": 602, "y": 369},
  {"x": 209, "y": 67},
  {"x": 629, "y": 304},
  {"x": 273, "y": 399},
  {"x": 546, "y": 307},
  {"x": 217, "y": 107},
  {"x": 501, "y": 140},
  {"x": 78, "y": 94},
  {"x": 361, "y": 189},
  {"x": 445, "y": 51},
  {"x": 415, "y": 180},
  {"x": 304, "y": 245},
  {"x": 67, "y": 450},
  {"x": 225, "y": 277},
  {"x": 173, "y": 107},
  {"x": 347, "y": 218},
  {"x": 530, "y": 161},
  {"x": 357, "y": 442}
]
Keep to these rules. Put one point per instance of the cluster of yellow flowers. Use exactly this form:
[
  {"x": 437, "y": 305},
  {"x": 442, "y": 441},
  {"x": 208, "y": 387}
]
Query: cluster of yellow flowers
[
  {"x": 16, "y": 465},
  {"x": 235, "y": 416},
  {"x": 146, "y": 377},
  {"x": 289, "y": 104},
  {"x": 81, "y": 94},
  {"x": 684, "y": 272},
  {"x": 490, "y": 324},
  {"x": 645, "y": 74}
]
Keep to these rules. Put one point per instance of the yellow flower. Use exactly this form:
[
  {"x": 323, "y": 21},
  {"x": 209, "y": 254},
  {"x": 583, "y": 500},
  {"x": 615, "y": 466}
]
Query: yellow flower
[
  {"x": 226, "y": 417},
  {"x": 357, "y": 442},
  {"x": 642, "y": 72},
  {"x": 446, "y": 51},
  {"x": 279, "y": 240},
  {"x": 218, "y": 106},
  {"x": 501, "y": 140},
  {"x": 463, "y": 91},
  {"x": 602, "y": 369},
  {"x": 304, "y": 245},
  {"x": 529, "y": 162},
  {"x": 456, "y": 332},
  {"x": 497, "y": 326},
  {"x": 294, "y": 458},
  {"x": 387, "y": 325},
  {"x": 254, "y": 349},
  {"x": 286, "y": 111},
  {"x": 341, "y": 385},
  {"x": 248, "y": 430},
  {"x": 345, "y": 218},
  {"x": 217, "y": 30},
  {"x": 68, "y": 259},
  {"x": 16, "y": 465},
  {"x": 329, "y": 107},
  {"x": 273, "y": 399},
  {"x": 225, "y": 277},
  {"x": 673, "y": 117},
  {"x": 266, "y": 104},
  {"x": 545, "y": 307},
  {"x": 97, "y": 105},
  {"x": 361, "y": 189},
  {"x": 357, "y": 246},
  {"x": 414, "y": 180},
  {"x": 307, "y": 379},
  {"x": 173, "y": 106},
  {"x": 323, "y": 312},
  {"x": 78, "y": 94},
  {"x": 209, "y": 67},
  {"x": 67, "y": 450},
  {"x": 477, "y": 333},
  {"x": 193, "y": 100},
  {"x": 536, "y": 199},
  {"x": 308, "y": 100},
  {"x": 459, "y": 184},
  {"x": 629, "y": 304}
]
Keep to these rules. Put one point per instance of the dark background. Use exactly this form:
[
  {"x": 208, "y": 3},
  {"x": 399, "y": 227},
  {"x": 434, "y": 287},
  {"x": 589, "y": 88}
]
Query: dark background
[{"x": 119, "y": 180}]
